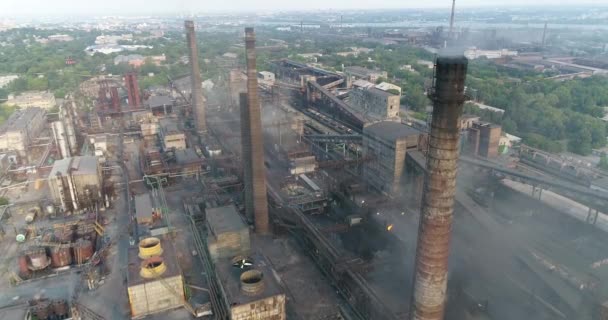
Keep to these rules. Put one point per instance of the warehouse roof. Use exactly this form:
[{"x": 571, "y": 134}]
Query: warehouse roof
[
  {"x": 159, "y": 101},
  {"x": 186, "y": 156},
  {"x": 232, "y": 283},
  {"x": 143, "y": 206},
  {"x": 390, "y": 130},
  {"x": 81, "y": 165},
  {"x": 224, "y": 219},
  {"x": 20, "y": 119}
]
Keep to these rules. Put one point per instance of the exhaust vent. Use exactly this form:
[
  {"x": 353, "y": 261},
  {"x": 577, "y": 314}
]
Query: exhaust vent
[
  {"x": 152, "y": 268},
  {"x": 252, "y": 282},
  {"x": 150, "y": 247}
]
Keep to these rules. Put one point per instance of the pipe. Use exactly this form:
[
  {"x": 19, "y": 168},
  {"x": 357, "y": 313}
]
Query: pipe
[
  {"x": 252, "y": 143},
  {"x": 196, "y": 81},
  {"x": 432, "y": 251}
]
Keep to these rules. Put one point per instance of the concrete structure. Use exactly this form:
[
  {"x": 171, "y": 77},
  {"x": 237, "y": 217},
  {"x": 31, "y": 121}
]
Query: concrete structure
[
  {"x": 188, "y": 160},
  {"x": 76, "y": 182},
  {"x": 483, "y": 139},
  {"x": 374, "y": 103},
  {"x": 256, "y": 202},
  {"x": 198, "y": 103},
  {"x": 474, "y": 53},
  {"x": 266, "y": 76},
  {"x": 154, "y": 284},
  {"x": 363, "y": 84},
  {"x": 432, "y": 252},
  {"x": 489, "y": 139},
  {"x": 144, "y": 212},
  {"x": 170, "y": 135},
  {"x": 385, "y": 86},
  {"x": 365, "y": 74},
  {"x": 30, "y": 99},
  {"x": 387, "y": 142},
  {"x": 21, "y": 128},
  {"x": 228, "y": 235},
  {"x": 253, "y": 292},
  {"x": 159, "y": 104},
  {"x": 486, "y": 107},
  {"x": 61, "y": 140},
  {"x": 467, "y": 120},
  {"x": 132, "y": 89}
]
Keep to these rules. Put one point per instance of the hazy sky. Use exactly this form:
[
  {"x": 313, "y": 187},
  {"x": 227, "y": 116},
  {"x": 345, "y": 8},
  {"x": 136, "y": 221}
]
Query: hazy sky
[{"x": 129, "y": 7}]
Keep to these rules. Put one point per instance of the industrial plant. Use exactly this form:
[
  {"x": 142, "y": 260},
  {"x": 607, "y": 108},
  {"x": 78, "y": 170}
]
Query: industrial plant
[{"x": 287, "y": 189}]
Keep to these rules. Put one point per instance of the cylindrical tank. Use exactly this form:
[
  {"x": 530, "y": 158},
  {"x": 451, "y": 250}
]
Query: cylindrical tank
[
  {"x": 60, "y": 257},
  {"x": 42, "y": 310},
  {"x": 24, "y": 271},
  {"x": 50, "y": 209},
  {"x": 150, "y": 247},
  {"x": 22, "y": 235},
  {"x": 38, "y": 259},
  {"x": 30, "y": 216},
  {"x": 83, "y": 251},
  {"x": 60, "y": 307}
]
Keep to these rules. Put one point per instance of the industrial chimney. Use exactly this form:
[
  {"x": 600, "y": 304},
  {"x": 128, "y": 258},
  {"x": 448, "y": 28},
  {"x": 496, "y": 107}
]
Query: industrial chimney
[
  {"x": 431, "y": 269},
  {"x": 198, "y": 104},
  {"x": 256, "y": 202}
]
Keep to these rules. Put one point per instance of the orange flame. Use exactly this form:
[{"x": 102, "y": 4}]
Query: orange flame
[{"x": 389, "y": 227}]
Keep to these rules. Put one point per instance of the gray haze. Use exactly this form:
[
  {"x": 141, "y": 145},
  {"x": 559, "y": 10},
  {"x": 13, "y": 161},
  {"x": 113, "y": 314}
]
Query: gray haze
[{"x": 10, "y": 8}]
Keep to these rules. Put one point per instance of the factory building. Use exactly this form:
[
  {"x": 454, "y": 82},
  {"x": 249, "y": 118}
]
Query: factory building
[
  {"x": 170, "y": 135},
  {"x": 30, "y": 99},
  {"x": 387, "y": 142},
  {"x": 154, "y": 279},
  {"x": 159, "y": 105},
  {"x": 21, "y": 128},
  {"x": 482, "y": 139},
  {"x": 374, "y": 103},
  {"x": 266, "y": 76},
  {"x": 252, "y": 292},
  {"x": 228, "y": 234},
  {"x": 365, "y": 74},
  {"x": 75, "y": 183}
]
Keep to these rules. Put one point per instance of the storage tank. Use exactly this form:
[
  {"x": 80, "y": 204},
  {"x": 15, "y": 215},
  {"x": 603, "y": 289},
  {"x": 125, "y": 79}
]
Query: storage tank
[
  {"x": 38, "y": 259},
  {"x": 24, "y": 271},
  {"x": 83, "y": 251},
  {"x": 60, "y": 308},
  {"x": 50, "y": 209},
  {"x": 22, "y": 235},
  {"x": 60, "y": 256},
  {"x": 31, "y": 215}
]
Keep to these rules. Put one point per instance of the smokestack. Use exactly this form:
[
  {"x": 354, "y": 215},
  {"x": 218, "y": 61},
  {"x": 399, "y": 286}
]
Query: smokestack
[
  {"x": 544, "y": 36},
  {"x": 256, "y": 202},
  {"x": 431, "y": 270},
  {"x": 198, "y": 104},
  {"x": 452, "y": 19}
]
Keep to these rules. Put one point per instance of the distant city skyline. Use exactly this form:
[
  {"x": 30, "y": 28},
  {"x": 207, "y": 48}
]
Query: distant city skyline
[{"x": 10, "y": 8}]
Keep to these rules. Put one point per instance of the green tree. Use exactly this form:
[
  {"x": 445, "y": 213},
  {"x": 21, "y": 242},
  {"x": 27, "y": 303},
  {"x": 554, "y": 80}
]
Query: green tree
[{"x": 580, "y": 142}]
